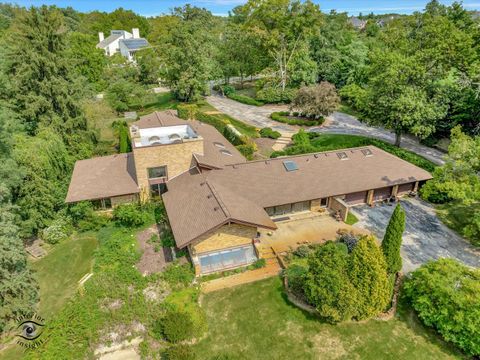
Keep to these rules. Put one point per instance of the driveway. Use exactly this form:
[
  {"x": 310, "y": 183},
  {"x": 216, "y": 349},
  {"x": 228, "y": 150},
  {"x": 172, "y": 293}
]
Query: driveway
[
  {"x": 425, "y": 238},
  {"x": 337, "y": 123}
]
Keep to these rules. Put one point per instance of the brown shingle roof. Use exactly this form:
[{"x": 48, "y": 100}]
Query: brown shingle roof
[
  {"x": 247, "y": 188},
  {"x": 196, "y": 206},
  {"x": 102, "y": 177}
]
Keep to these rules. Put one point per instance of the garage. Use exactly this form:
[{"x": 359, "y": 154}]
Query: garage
[
  {"x": 356, "y": 198},
  {"x": 382, "y": 193},
  {"x": 405, "y": 188}
]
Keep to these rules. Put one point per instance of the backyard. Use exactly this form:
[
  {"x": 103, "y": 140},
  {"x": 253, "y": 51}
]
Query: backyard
[{"x": 256, "y": 318}]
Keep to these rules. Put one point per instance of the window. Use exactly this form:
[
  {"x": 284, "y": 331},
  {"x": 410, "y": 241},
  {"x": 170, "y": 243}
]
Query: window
[
  {"x": 324, "y": 202},
  {"x": 158, "y": 189},
  {"x": 157, "y": 172},
  {"x": 102, "y": 204}
]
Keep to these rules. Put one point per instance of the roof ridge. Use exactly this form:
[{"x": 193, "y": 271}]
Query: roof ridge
[{"x": 219, "y": 199}]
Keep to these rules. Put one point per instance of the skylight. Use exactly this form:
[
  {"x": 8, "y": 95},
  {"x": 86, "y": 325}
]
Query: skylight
[
  {"x": 219, "y": 145},
  {"x": 342, "y": 156},
  {"x": 226, "y": 152},
  {"x": 367, "y": 152},
  {"x": 290, "y": 165}
]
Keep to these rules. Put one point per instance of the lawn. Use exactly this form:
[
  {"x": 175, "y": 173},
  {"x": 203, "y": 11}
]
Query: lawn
[
  {"x": 255, "y": 319},
  {"x": 351, "y": 219},
  {"x": 457, "y": 216},
  {"x": 58, "y": 272}
]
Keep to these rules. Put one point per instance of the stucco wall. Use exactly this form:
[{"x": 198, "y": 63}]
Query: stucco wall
[
  {"x": 225, "y": 237},
  {"x": 177, "y": 157}
]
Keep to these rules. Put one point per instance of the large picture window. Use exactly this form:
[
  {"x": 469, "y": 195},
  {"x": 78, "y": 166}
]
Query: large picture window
[{"x": 157, "y": 172}]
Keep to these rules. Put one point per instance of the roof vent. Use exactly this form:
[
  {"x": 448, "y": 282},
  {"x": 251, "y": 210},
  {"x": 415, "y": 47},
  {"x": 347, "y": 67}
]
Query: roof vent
[
  {"x": 209, "y": 196},
  {"x": 315, "y": 156},
  {"x": 367, "y": 152},
  {"x": 216, "y": 208},
  {"x": 342, "y": 155},
  {"x": 290, "y": 165},
  {"x": 226, "y": 152},
  {"x": 202, "y": 183}
]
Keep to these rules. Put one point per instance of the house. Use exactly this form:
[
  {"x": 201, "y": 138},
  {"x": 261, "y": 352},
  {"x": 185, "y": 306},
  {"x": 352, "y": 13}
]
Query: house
[
  {"x": 216, "y": 201},
  {"x": 357, "y": 23},
  {"x": 123, "y": 42}
]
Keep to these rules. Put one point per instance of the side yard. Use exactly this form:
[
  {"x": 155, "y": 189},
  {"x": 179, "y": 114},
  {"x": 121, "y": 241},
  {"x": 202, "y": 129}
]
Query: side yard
[{"x": 267, "y": 323}]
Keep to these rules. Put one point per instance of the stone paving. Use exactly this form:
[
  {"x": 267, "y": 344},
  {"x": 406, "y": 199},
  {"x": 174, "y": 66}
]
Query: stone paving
[
  {"x": 425, "y": 238},
  {"x": 338, "y": 123}
]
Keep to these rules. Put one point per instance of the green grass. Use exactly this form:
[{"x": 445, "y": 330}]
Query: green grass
[
  {"x": 457, "y": 216},
  {"x": 248, "y": 91},
  {"x": 254, "y": 319},
  {"x": 347, "y": 109},
  {"x": 351, "y": 219},
  {"x": 158, "y": 102},
  {"x": 58, "y": 272}
]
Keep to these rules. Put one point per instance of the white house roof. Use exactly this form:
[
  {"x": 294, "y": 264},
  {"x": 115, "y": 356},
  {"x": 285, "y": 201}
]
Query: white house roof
[{"x": 107, "y": 41}]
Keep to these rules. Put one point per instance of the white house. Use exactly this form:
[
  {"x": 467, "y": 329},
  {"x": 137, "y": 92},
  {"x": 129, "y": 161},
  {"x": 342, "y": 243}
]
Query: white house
[{"x": 123, "y": 42}]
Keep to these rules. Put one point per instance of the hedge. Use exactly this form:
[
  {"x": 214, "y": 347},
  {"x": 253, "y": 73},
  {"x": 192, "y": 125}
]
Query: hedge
[
  {"x": 272, "y": 95},
  {"x": 282, "y": 116},
  {"x": 244, "y": 99},
  {"x": 269, "y": 133}
]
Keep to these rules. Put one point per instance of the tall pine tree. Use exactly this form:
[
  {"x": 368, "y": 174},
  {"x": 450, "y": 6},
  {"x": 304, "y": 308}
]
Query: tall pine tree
[{"x": 392, "y": 241}]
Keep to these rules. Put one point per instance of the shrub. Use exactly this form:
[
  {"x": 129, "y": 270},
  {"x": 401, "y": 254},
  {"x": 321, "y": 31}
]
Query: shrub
[
  {"x": 302, "y": 251},
  {"x": 216, "y": 122},
  {"x": 354, "y": 96},
  {"x": 327, "y": 285},
  {"x": 349, "y": 239},
  {"x": 269, "y": 133},
  {"x": 186, "y": 111},
  {"x": 248, "y": 150},
  {"x": 129, "y": 215},
  {"x": 273, "y": 95},
  {"x": 228, "y": 90},
  {"x": 179, "y": 352},
  {"x": 244, "y": 99},
  {"x": 233, "y": 135},
  {"x": 58, "y": 230},
  {"x": 368, "y": 274},
  {"x": 177, "y": 326},
  {"x": 167, "y": 239},
  {"x": 392, "y": 241},
  {"x": 295, "y": 275},
  {"x": 282, "y": 116},
  {"x": 178, "y": 276},
  {"x": 317, "y": 100},
  {"x": 258, "y": 264},
  {"x": 85, "y": 218},
  {"x": 446, "y": 296}
]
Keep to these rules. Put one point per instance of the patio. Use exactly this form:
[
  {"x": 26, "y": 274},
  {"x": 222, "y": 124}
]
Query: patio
[{"x": 303, "y": 229}]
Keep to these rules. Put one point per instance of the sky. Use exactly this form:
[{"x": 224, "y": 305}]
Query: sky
[{"x": 221, "y": 7}]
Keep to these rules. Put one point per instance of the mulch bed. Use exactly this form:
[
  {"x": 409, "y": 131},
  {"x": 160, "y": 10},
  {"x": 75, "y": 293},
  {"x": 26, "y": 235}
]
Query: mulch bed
[{"x": 152, "y": 261}]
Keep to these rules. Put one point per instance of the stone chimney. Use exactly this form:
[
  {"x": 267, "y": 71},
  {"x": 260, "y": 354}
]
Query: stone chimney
[
  {"x": 136, "y": 33},
  {"x": 100, "y": 36}
]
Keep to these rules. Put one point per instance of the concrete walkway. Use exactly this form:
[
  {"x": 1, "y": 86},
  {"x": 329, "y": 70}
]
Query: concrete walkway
[
  {"x": 337, "y": 123},
  {"x": 271, "y": 269}
]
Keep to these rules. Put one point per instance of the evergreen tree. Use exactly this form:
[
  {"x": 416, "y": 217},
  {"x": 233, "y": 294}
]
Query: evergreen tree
[
  {"x": 18, "y": 288},
  {"x": 392, "y": 241},
  {"x": 124, "y": 140},
  {"x": 368, "y": 274},
  {"x": 45, "y": 92}
]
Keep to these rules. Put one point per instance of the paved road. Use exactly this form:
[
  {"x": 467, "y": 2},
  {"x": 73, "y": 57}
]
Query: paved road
[
  {"x": 425, "y": 238},
  {"x": 338, "y": 123}
]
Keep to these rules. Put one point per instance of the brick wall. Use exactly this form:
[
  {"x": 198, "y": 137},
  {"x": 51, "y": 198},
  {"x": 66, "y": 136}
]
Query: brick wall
[
  {"x": 177, "y": 157},
  {"x": 117, "y": 200},
  {"x": 226, "y": 237},
  {"x": 338, "y": 204}
]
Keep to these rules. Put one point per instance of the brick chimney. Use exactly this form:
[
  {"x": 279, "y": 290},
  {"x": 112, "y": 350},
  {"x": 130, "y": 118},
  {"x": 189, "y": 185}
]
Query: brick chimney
[
  {"x": 100, "y": 36},
  {"x": 136, "y": 33}
]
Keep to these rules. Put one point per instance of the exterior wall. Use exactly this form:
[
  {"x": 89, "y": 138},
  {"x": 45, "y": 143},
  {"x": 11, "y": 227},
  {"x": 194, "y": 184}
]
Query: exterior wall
[
  {"x": 177, "y": 157},
  {"x": 337, "y": 204},
  {"x": 227, "y": 236},
  {"x": 315, "y": 205},
  {"x": 117, "y": 200}
]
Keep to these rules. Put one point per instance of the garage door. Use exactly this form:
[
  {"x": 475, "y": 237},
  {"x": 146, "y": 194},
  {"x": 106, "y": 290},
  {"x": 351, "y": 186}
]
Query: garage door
[
  {"x": 405, "y": 188},
  {"x": 356, "y": 198},
  {"x": 382, "y": 194}
]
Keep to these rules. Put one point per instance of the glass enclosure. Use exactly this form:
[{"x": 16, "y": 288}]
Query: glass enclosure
[{"x": 226, "y": 259}]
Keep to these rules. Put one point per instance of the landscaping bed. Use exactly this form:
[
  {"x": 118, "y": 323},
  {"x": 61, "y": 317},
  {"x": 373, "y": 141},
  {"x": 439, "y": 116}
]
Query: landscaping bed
[{"x": 295, "y": 119}]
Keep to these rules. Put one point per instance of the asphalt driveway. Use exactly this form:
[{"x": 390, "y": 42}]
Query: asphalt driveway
[{"x": 425, "y": 238}]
